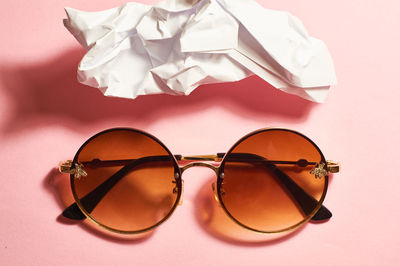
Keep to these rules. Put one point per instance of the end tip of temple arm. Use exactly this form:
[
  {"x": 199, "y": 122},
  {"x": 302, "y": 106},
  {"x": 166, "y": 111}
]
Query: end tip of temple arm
[
  {"x": 322, "y": 214},
  {"x": 73, "y": 212}
]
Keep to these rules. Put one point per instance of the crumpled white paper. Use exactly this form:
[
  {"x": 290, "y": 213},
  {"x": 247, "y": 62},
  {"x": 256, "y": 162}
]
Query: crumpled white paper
[{"x": 177, "y": 45}]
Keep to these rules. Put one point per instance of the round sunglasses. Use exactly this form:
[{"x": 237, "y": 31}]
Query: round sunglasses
[{"x": 127, "y": 181}]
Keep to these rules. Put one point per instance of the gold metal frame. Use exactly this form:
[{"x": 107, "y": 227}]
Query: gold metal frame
[{"x": 321, "y": 170}]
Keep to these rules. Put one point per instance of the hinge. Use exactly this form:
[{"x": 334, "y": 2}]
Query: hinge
[
  {"x": 77, "y": 171},
  {"x": 333, "y": 167}
]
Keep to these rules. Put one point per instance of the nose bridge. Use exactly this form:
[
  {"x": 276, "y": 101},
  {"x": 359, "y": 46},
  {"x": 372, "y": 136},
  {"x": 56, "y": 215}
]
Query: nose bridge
[{"x": 200, "y": 164}]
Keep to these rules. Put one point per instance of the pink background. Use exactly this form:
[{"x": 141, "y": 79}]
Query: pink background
[{"x": 46, "y": 115}]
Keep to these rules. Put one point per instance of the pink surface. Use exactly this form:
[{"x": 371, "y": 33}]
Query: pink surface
[{"x": 46, "y": 115}]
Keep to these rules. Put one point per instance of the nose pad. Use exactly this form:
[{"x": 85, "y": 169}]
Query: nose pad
[
  {"x": 181, "y": 199},
  {"x": 175, "y": 190},
  {"x": 214, "y": 188}
]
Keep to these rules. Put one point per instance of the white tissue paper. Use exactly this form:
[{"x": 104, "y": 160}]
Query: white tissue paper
[{"x": 177, "y": 45}]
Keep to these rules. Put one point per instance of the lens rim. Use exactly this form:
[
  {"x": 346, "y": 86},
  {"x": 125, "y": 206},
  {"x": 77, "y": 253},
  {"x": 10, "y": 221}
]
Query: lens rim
[
  {"x": 177, "y": 176},
  {"x": 221, "y": 172}
]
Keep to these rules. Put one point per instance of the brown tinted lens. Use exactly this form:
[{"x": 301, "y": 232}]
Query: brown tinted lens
[
  {"x": 130, "y": 184},
  {"x": 277, "y": 195}
]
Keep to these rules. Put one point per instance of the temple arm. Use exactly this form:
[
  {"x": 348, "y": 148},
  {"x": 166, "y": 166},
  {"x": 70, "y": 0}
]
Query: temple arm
[{"x": 90, "y": 201}]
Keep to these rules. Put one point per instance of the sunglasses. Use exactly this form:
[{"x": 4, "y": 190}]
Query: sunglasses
[{"x": 127, "y": 181}]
